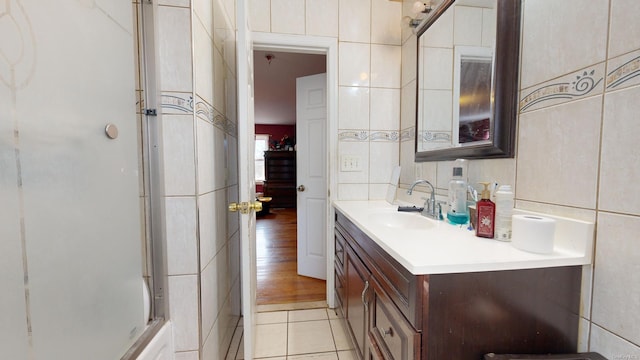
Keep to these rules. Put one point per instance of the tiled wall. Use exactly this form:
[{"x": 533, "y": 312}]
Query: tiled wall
[
  {"x": 198, "y": 112},
  {"x": 369, "y": 50},
  {"x": 577, "y": 152}
]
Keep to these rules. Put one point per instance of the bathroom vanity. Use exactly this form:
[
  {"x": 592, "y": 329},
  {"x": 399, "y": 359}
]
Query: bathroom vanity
[{"x": 412, "y": 288}]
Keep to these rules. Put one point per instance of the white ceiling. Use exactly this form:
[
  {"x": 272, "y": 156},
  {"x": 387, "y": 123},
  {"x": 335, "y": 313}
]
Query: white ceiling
[{"x": 275, "y": 84}]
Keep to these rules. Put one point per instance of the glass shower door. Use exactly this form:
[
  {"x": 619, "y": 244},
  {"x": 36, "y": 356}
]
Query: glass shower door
[{"x": 70, "y": 223}]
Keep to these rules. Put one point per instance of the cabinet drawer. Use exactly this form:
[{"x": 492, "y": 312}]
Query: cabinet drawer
[{"x": 395, "y": 336}]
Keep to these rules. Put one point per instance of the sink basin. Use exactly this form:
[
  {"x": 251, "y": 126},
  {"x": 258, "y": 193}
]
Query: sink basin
[{"x": 401, "y": 220}]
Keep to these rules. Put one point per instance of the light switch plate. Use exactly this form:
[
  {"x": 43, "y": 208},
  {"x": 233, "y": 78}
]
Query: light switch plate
[{"x": 350, "y": 163}]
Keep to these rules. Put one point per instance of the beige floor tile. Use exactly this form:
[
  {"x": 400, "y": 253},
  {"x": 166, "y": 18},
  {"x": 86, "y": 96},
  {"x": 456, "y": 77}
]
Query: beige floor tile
[
  {"x": 347, "y": 355},
  {"x": 271, "y": 340},
  {"x": 273, "y": 317},
  {"x": 308, "y": 315},
  {"x": 318, "y": 356},
  {"x": 340, "y": 337},
  {"x": 310, "y": 337},
  {"x": 333, "y": 314}
]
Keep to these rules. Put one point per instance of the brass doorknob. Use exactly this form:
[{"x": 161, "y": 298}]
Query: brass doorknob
[{"x": 244, "y": 207}]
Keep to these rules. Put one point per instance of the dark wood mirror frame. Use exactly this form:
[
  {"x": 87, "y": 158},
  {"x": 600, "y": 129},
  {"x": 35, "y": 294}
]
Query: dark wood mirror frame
[{"x": 505, "y": 114}]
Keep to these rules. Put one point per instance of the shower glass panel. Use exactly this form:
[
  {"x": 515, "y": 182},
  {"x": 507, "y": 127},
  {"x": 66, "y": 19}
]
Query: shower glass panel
[{"x": 70, "y": 232}]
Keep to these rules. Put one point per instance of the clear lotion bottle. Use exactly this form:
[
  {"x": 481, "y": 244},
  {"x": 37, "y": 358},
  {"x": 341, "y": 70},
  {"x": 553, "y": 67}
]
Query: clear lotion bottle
[
  {"x": 504, "y": 210},
  {"x": 457, "y": 213},
  {"x": 486, "y": 210}
]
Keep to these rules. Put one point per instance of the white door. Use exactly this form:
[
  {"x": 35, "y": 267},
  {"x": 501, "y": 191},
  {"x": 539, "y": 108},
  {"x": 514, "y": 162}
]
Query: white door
[
  {"x": 246, "y": 179},
  {"x": 311, "y": 174}
]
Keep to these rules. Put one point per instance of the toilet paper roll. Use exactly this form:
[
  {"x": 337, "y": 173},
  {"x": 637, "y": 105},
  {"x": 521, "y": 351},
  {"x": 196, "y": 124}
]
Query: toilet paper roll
[{"x": 533, "y": 233}]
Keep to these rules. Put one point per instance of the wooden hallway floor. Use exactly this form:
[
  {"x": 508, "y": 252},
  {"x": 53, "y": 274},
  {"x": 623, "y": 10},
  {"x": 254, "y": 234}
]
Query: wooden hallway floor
[{"x": 276, "y": 252}]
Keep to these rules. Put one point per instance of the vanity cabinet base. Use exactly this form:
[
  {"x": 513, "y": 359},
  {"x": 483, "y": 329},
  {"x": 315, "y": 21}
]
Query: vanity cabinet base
[{"x": 459, "y": 316}]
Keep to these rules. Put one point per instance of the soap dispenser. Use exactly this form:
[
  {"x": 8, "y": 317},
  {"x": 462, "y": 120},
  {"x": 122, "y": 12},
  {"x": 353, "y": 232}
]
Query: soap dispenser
[
  {"x": 486, "y": 210},
  {"x": 457, "y": 213}
]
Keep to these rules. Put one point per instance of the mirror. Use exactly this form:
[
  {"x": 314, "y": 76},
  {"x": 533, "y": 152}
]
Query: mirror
[{"x": 467, "y": 80}]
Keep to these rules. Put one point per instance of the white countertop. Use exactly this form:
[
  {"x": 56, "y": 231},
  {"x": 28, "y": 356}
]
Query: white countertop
[{"x": 441, "y": 247}]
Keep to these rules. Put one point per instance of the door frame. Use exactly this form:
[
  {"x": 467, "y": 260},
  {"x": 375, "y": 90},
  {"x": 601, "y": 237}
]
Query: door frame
[{"x": 329, "y": 47}]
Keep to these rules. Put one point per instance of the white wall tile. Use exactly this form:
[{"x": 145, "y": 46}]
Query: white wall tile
[
  {"x": 385, "y": 66},
  {"x": 554, "y": 164},
  {"x": 180, "y": 3},
  {"x": 440, "y": 34},
  {"x": 620, "y": 163},
  {"x": 437, "y": 68},
  {"x": 437, "y": 110},
  {"x": 409, "y": 56},
  {"x": 182, "y": 246},
  {"x": 384, "y": 157},
  {"x": 174, "y": 26},
  {"x": 408, "y": 106},
  {"x": 186, "y": 355},
  {"x": 611, "y": 346},
  {"x": 385, "y": 22},
  {"x": 287, "y": 16},
  {"x": 354, "y": 64},
  {"x": 183, "y": 307},
  {"x": 617, "y": 266},
  {"x": 322, "y": 18},
  {"x": 220, "y": 164},
  {"x": 203, "y": 10},
  {"x": 220, "y": 85},
  {"x": 584, "y": 332},
  {"x": 467, "y": 22},
  {"x": 355, "y": 20},
  {"x": 209, "y": 294},
  {"x": 206, "y": 156},
  {"x": 203, "y": 62},
  {"x": 179, "y": 154},
  {"x": 385, "y": 109},
  {"x": 353, "y": 107},
  {"x": 378, "y": 191},
  {"x": 545, "y": 54},
  {"x": 260, "y": 13},
  {"x": 489, "y": 27},
  {"x": 502, "y": 171},
  {"x": 625, "y": 27},
  {"x": 353, "y": 191},
  {"x": 207, "y": 227}
]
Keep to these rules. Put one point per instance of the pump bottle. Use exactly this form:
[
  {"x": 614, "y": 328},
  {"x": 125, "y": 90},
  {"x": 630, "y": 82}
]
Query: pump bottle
[
  {"x": 486, "y": 214},
  {"x": 457, "y": 213}
]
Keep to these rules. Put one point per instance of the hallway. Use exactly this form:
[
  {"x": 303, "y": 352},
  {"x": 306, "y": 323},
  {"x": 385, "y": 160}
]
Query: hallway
[{"x": 276, "y": 252}]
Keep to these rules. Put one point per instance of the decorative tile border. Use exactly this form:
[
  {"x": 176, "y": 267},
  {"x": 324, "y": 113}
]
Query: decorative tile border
[
  {"x": 385, "y": 136},
  {"x": 366, "y": 135},
  {"x": 207, "y": 113},
  {"x": 353, "y": 135},
  {"x": 176, "y": 103},
  {"x": 625, "y": 71},
  {"x": 434, "y": 137},
  {"x": 580, "y": 84},
  {"x": 408, "y": 134}
]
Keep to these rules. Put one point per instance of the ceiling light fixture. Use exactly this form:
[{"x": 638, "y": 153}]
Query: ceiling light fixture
[{"x": 269, "y": 58}]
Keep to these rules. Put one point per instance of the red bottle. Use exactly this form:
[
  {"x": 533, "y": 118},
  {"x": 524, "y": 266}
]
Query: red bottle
[{"x": 486, "y": 210}]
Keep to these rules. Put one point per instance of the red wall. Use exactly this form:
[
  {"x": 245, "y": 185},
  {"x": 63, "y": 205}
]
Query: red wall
[{"x": 277, "y": 131}]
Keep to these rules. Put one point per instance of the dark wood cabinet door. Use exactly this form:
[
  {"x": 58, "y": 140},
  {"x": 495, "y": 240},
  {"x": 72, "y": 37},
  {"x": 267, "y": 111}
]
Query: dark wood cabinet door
[{"x": 357, "y": 308}]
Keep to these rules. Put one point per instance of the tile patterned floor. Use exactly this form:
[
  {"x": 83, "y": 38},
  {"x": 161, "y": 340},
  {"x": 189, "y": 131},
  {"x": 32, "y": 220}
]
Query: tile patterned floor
[{"x": 297, "y": 334}]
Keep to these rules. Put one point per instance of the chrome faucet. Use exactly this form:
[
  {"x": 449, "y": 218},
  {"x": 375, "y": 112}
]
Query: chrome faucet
[{"x": 431, "y": 208}]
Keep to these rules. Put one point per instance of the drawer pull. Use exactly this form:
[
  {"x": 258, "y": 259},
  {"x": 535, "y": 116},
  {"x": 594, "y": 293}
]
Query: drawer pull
[
  {"x": 384, "y": 332},
  {"x": 366, "y": 287}
]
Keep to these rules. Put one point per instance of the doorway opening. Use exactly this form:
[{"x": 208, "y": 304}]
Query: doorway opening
[{"x": 275, "y": 74}]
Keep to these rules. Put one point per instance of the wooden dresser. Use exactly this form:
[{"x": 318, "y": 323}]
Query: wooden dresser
[{"x": 280, "y": 178}]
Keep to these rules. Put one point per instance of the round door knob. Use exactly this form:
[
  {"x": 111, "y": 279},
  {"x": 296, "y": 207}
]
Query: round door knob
[{"x": 301, "y": 188}]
